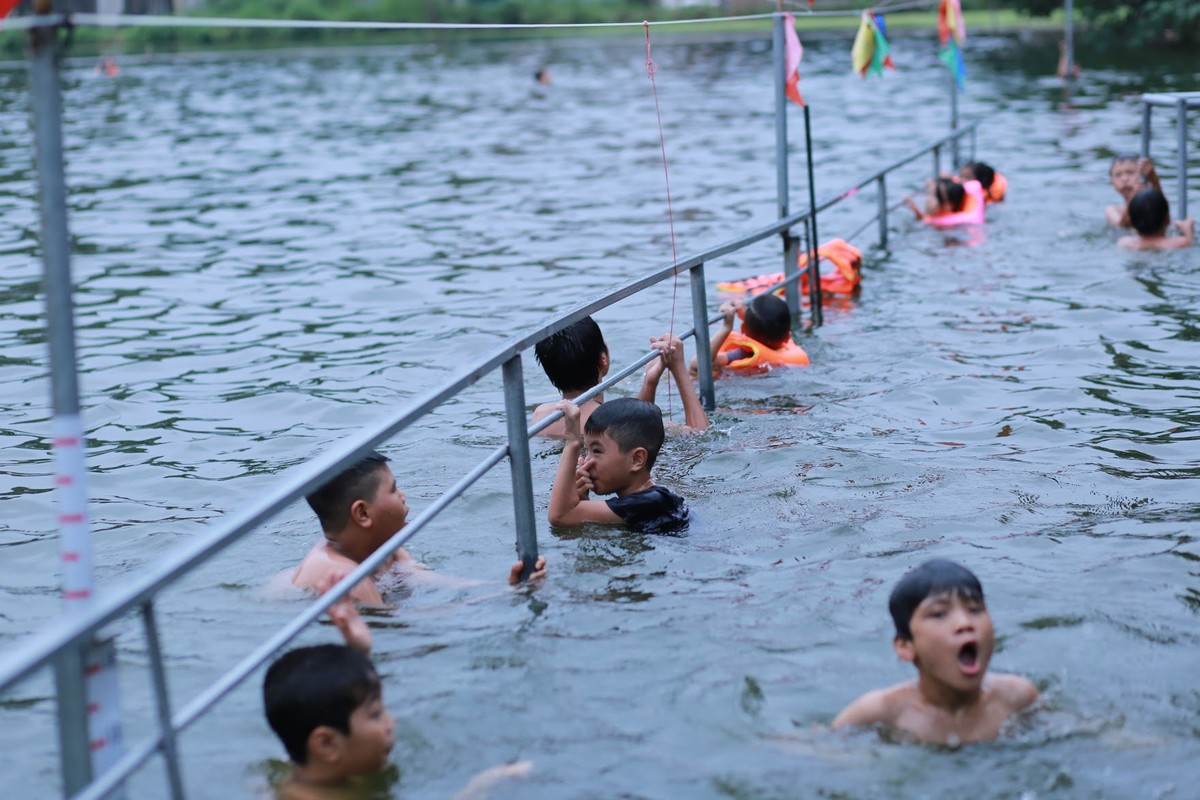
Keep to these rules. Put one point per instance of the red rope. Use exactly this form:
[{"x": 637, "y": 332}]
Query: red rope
[{"x": 651, "y": 68}]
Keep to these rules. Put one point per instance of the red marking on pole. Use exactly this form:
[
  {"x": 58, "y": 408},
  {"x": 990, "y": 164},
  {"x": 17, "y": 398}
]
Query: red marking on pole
[
  {"x": 71, "y": 519},
  {"x": 77, "y": 594},
  {"x": 70, "y": 555},
  {"x": 93, "y": 708},
  {"x": 92, "y": 669},
  {"x": 66, "y": 441},
  {"x": 64, "y": 480},
  {"x": 98, "y": 744}
]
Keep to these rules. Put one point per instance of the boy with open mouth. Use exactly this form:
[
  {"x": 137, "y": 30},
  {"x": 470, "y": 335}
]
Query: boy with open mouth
[{"x": 943, "y": 627}]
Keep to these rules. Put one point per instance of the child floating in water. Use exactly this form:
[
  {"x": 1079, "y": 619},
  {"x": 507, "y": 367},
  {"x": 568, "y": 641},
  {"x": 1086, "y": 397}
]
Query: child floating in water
[
  {"x": 995, "y": 185},
  {"x": 1129, "y": 175},
  {"x": 765, "y": 340},
  {"x": 1151, "y": 215},
  {"x": 325, "y": 703},
  {"x": 360, "y": 509},
  {"x": 944, "y": 629},
  {"x": 949, "y": 202}
]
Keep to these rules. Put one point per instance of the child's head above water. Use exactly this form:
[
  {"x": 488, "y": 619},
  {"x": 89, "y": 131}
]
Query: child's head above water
[
  {"x": 946, "y": 196},
  {"x": 767, "y": 320},
  {"x": 1125, "y": 174},
  {"x": 361, "y": 481},
  {"x": 576, "y": 358},
  {"x": 630, "y": 424},
  {"x": 978, "y": 171},
  {"x": 325, "y": 704},
  {"x": 1149, "y": 212},
  {"x": 931, "y": 579}
]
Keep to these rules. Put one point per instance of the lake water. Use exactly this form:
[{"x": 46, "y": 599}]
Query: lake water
[{"x": 273, "y": 250}]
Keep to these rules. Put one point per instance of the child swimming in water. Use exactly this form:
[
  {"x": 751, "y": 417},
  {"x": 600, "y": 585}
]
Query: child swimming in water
[
  {"x": 360, "y": 509},
  {"x": 1150, "y": 214},
  {"x": 1129, "y": 175},
  {"x": 765, "y": 340},
  {"x": 944, "y": 629},
  {"x": 949, "y": 202}
]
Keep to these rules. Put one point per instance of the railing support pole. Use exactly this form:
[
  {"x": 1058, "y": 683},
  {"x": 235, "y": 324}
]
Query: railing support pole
[
  {"x": 162, "y": 703},
  {"x": 937, "y": 162},
  {"x": 1181, "y": 133},
  {"x": 84, "y": 747},
  {"x": 791, "y": 276},
  {"x": 816, "y": 311},
  {"x": 779, "y": 57},
  {"x": 883, "y": 212},
  {"x": 519, "y": 462},
  {"x": 974, "y": 142},
  {"x": 1146, "y": 129},
  {"x": 708, "y": 394},
  {"x": 1069, "y": 41},
  {"x": 954, "y": 162}
]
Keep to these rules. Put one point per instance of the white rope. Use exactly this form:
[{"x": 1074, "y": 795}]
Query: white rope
[
  {"x": 802, "y": 11},
  {"x": 167, "y": 21}
]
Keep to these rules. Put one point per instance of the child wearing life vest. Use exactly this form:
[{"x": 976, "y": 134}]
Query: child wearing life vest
[
  {"x": 995, "y": 185},
  {"x": 764, "y": 342},
  {"x": 949, "y": 203},
  {"x": 944, "y": 629},
  {"x": 1150, "y": 214}
]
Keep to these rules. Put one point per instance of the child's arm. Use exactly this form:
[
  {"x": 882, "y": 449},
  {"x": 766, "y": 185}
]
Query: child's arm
[
  {"x": 731, "y": 309},
  {"x": 1149, "y": 176},
  {"x": 654, "y": 371},
  {"x": 672, "y": 353},
  {"x": 539, "y": 571},
  {"x": 345, "y": 616},
  {"x": 916, "y": 209},
  {"x": 1187, "y": 229},
  {"x": 568, "y": 499},
  {"x": 481, "y": 785}
]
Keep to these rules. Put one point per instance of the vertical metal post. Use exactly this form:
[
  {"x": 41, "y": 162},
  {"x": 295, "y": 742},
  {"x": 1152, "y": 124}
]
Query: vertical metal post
[
  {"x": 708, "y": 394},
  {"x": 791, "y": 276},
  {"x": 937, "y": 161},
  {"x": 954, "y": 162},
  {"x": 1181, "y": 133},
  {"x": 519, "y": 462},
  {"x": 974, "y": 139},
  {"x": 162, "y": 703},
  {"x": 81, "y": 753},
  {"x": 814, "y": 256},
  {"x": 883, "y": 212},
  {"x": 1069, "y": 41},
  {"x": 1146, "y": 129},
  {"x": 779, "y": 57}
]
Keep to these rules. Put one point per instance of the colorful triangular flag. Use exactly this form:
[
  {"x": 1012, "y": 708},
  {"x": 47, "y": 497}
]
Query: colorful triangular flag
[
  {"x": 792, "y": 54},
  {"x": 870, "y": 53},
  {"x": 7, "y": 6},
  {"x": 951, "y": 56},
  {"x": 950, "y": 22}
]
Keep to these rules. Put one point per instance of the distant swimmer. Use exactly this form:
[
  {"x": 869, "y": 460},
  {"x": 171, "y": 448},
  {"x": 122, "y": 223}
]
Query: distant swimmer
[
  {"x": 995, "y": 185},
  {"x": 542, "y": 76},
  {"x": 1129, "y": 175},
  {"x": 949, "y": 203},
  {"x": 944, "y": 629},
  {"x": 1150, "y": 214},
  {"x": 764, "y": 342},
  {"x": 108, "y": 67}
]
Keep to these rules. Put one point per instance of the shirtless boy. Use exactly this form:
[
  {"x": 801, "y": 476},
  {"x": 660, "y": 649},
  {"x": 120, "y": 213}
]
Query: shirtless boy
[
  {"x": 944, "y": 629},
  {"x": 360, "y": 509}
]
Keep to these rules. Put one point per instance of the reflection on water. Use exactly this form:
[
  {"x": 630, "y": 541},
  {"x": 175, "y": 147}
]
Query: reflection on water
[{"x": 274, "y": 250}]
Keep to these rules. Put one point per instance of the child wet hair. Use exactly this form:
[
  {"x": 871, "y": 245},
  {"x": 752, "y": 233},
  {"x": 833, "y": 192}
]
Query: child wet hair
[
  {"x": 571, "y": 357},
  {"x": 767, "y": 320},
  {"x": 310, "y": 687},
  {"x": 1149, "y": 212},
  {"x": 950, "y": 195},
  {"x": 932, "y": 578},
  {"x": 981, "y": 172},
  {"x": 360, "y": 481},
  {"x": 630, "y": 423}
]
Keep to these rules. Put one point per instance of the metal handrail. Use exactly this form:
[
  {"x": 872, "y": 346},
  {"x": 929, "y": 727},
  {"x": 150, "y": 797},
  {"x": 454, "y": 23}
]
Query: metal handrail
[{"x": 1182, "y": 102}]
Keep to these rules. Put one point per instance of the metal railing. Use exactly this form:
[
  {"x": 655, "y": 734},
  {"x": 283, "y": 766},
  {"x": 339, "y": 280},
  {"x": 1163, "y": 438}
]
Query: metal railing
[
  {"x": 64, "y": 645},
  {"x": 1181, "y": 102}
]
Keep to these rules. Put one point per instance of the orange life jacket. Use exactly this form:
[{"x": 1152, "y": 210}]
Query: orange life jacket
[
  {"x": 763, "y": 357},
  {"x": 845, "y": 279}
]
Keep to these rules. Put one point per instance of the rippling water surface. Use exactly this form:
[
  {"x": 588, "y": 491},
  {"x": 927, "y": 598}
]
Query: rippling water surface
[{"x": 273, "y": 250}]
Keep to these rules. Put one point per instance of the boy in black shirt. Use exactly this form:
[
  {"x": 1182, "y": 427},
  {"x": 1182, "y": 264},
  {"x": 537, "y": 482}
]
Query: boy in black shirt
[{"x": 621, "y": 440}]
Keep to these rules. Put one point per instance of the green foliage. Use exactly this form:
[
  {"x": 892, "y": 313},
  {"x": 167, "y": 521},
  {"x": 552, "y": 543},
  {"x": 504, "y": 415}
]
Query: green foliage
[{"x": 1138, "y": 21}]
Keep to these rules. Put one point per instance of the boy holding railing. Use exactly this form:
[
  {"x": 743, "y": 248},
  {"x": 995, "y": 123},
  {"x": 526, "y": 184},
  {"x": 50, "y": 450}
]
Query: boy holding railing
[
  {"x": 360, "y": 509},
  {"x": 576, "y": 359}
]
